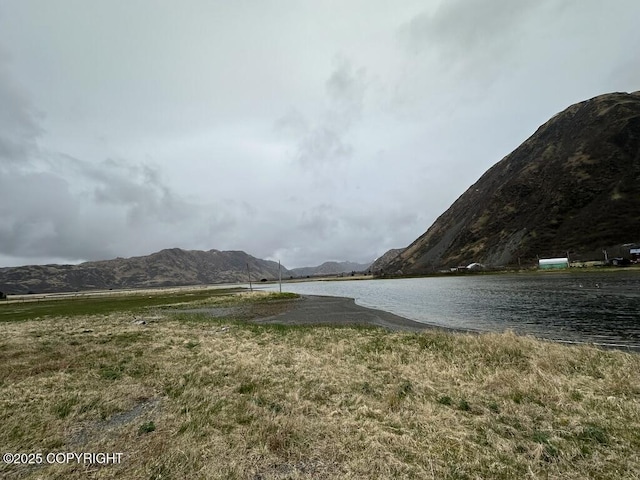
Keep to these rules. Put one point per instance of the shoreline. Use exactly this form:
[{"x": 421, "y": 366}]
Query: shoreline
[
  {"x": 328, "y": 310},
  {"x": 338, "y": 311}
]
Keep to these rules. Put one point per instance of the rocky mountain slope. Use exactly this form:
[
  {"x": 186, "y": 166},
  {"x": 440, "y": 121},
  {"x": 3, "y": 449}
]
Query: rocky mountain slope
[
  {"x": 574, "y": 186},
  {"x": 330, "y": 268},
  {"x": 380, "y": 264},
  {"x": 165, "y": 268}
]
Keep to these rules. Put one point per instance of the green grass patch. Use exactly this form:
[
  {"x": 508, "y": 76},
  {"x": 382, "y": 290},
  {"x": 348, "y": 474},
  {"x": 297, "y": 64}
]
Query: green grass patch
[
  {"x": 276, "y": 296},
  {"x": 64, "y": 407},
  {"x": 146, "y": 427},
  {"x": 87, "y": 304}
]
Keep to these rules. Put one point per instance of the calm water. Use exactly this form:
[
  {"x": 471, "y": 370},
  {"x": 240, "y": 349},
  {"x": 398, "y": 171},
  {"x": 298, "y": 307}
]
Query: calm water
[{"x": 599, "y": 308}]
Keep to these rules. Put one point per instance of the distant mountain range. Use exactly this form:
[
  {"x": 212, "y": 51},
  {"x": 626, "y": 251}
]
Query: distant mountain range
[
  {"x": 573, "y": 186},
  {"x": 169, "y": 267},
  {"x": 330, "y": 268}
]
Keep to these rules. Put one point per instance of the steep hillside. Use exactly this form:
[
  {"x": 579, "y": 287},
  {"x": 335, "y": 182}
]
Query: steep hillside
[
  {"x": 574, "y": 186},
  {"x": 165, "y": 268}
]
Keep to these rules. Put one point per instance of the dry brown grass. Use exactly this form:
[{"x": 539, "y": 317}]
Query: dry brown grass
[{"x": 187, "y": 396}]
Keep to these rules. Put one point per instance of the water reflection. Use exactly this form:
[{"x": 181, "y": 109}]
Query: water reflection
[{"x": 579, "y": 307}]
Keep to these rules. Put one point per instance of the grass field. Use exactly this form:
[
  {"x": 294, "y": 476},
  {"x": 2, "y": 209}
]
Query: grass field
[{"x": 191, "y": 396}]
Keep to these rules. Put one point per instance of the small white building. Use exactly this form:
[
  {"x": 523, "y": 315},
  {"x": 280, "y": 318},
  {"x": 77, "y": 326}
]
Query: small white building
[
  {"x": 553, "y": 263},
  {"x": 475, "y": 266}
]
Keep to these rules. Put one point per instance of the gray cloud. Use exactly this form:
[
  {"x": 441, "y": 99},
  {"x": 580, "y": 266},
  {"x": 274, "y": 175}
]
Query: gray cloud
[
  {"x": 19, "y": 121},
  {"x": 460, "y": 29},
  {"x": 331, "y": 232},
  {"x": 56, "y": 205},
  {"x": 100, "y": 211},
  {"x": 26, "y": 222},
  {"x": 139, "y": 189},
  {"x": 346, "y": 87},
  {"x": 326, "y": 140},
  {"x": 323, "y": 144}
]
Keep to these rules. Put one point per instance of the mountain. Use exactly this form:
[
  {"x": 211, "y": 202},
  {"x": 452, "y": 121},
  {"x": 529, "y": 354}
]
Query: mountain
[
  {"x": 330, "y": 268},
  {"x": 573, "y": 186},
  {"x": 169, "y": 267},
  {"x": 381, "y": 263}
]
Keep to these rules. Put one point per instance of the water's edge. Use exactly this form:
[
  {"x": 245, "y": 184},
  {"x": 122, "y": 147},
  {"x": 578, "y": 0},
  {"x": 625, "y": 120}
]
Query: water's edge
[{"x": 598, "y": 309}]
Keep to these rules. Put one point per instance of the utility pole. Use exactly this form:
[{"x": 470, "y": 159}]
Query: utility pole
[
  {"x": 249, "y": 274},
  {"x": 280, "y": 275}
]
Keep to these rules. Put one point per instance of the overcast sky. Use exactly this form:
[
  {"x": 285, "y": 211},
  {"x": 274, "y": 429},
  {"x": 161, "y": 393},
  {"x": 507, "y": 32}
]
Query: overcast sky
[{"x": 300, "y": 131}]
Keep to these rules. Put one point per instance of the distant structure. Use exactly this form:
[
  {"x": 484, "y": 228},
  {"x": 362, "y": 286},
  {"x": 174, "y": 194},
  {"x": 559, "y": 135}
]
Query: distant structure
[
  {"x": 553, "y": 263},
  {"x": 475, "y": 266}
]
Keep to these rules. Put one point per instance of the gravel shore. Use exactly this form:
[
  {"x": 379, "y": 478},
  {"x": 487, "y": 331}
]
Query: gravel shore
[{"x": 320, "y": 310}]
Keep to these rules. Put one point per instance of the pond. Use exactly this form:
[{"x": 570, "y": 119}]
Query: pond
[{"x": 601, "y": 308}]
